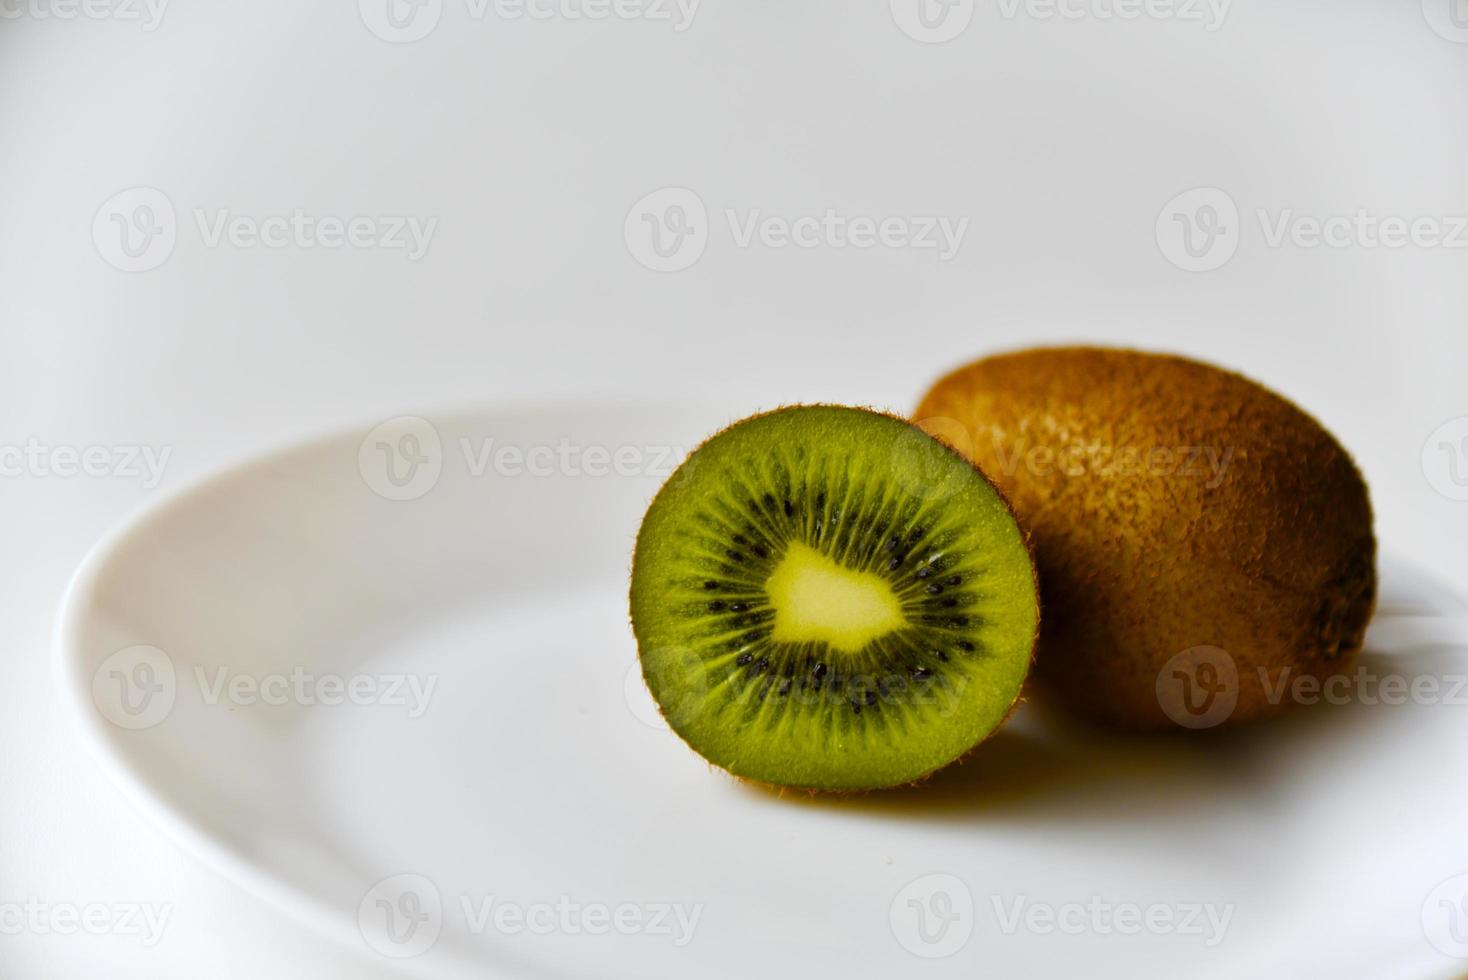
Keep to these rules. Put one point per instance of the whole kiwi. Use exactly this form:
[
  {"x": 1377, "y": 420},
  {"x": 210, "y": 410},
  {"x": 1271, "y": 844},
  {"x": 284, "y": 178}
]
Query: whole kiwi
[{"x": 1204, "y": 546}]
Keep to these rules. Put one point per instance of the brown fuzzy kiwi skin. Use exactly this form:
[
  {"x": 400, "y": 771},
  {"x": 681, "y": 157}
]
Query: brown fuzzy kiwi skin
[
  {"x": 825, "y": 792},
  {"x": 1270, "y": 557}
]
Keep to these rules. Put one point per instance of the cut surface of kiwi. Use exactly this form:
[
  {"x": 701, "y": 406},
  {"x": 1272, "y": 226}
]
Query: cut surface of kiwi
[{"x": 828, "y": 598}]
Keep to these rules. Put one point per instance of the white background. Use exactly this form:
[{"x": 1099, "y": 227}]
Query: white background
[{"x": 1060, "y": 140}]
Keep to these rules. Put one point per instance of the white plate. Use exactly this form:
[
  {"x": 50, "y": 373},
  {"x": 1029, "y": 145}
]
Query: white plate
[{"x": 539, "y": 779}]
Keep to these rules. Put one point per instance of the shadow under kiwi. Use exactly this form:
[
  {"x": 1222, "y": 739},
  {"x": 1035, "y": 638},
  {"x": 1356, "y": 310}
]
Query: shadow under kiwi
[{"x": 1047, "y": 767}]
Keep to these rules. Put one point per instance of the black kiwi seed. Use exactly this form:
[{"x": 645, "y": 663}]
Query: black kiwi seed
[
  {"x": 736, "y": 606},
  {"x": 892, "y": 544},
  {"x": 895, "y": 563},
  {"x": 762, "y": 666},
  {"x": 941, "y": 655},
  {"x": 716, "y": 606},
  {"x": 924, "y": 572},
  {"x": 949, "y": 603},
  {"x": 966, "y": 646},
  {"x": 870, "y": 699},
  {"x": 711, "y": 585},
  {"x": 953, "y": 580},
  {"x": 734, "y": 555},
  {"x": 933, "y": 589},
  {"x": 921, "y": 673},
  {"x": 820, "y": 671},
  {"x": 744, "y": 658}
]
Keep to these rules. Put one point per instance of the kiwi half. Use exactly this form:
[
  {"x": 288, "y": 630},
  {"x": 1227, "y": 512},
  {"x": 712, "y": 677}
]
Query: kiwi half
[
  {"x": 828, "y": 598},
  {"x": 1178, "y": 512}
]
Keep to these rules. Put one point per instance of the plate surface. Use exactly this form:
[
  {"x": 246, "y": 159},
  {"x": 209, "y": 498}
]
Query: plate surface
[{"x": 385, "y": 680}]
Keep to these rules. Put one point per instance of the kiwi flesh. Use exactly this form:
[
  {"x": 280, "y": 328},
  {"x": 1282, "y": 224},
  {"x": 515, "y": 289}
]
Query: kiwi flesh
[
  {"x": 1174, "y": 507},
  {"x": 828, "y": 598}
]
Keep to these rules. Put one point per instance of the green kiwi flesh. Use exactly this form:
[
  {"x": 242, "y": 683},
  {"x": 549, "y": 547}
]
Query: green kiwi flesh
[{"x": 828, "y": 598}]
